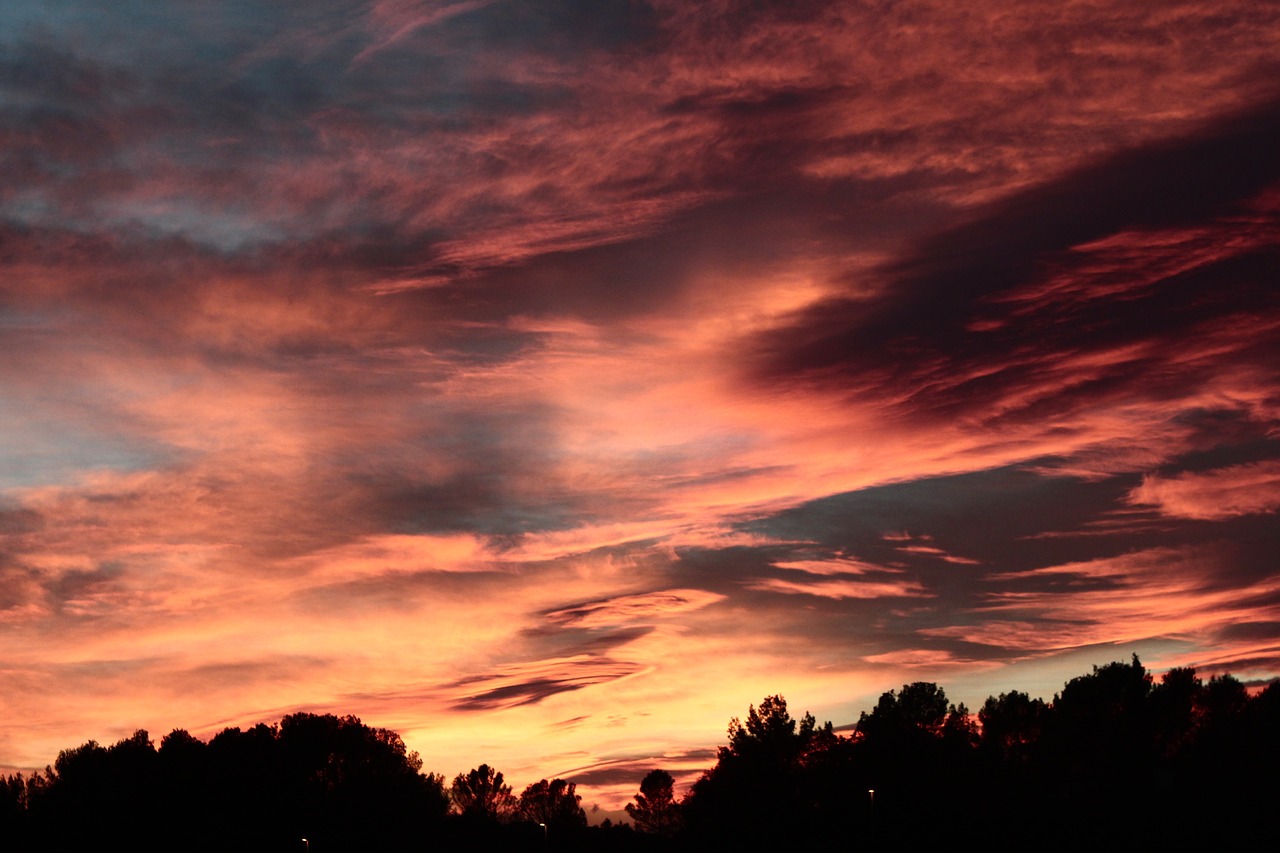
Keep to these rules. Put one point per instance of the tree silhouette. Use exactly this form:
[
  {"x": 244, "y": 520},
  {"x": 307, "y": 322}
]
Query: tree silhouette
[
  {"x": 352, "y": 783},
  {"x": 14, "y": 805},
  {"x": 917, "y": 752},
  {"x": 1174, "y": 710},
  {"x": 481, "y": 794},
  {"x": 755, "y": 794},
  {"x": 770, "y": 731},
  {"x": 1098, "y": 732},
  {"x": 919, "y": 706},
  {"x": 1011, "y": 723},
  {"x": 655, "y": 809},
  {"x": 555, "y": 804}
]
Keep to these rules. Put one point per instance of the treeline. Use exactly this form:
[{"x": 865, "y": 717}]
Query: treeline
[
  {"x": 310, "y": 783},
  {"x": 1116, "y": 759}
]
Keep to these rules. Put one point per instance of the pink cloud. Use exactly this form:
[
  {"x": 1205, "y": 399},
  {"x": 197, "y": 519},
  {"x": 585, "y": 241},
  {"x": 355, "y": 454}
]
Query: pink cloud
[
  {"x": 833, "y": 566},
  {"x": 1211, "y": 495},
  {"x": 927, "y": 659},
  {"x": 1159, "y": 592},
  {"x": 930, "y": 551},
  {"x": 841, "y": 589}
]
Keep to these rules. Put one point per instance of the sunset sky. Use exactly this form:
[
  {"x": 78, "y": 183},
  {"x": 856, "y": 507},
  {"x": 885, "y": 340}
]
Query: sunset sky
[{"x": 549, "y": 380}]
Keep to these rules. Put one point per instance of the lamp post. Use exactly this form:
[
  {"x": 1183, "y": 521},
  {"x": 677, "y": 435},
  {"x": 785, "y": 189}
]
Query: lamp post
[{"x": 544, "y": 835}]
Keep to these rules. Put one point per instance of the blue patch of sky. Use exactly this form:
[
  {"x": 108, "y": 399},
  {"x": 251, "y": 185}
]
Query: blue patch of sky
[
  {"x": 226, "y": 230},
  {"x": 39, "y": 449},
  {"x": 187, "y": 33},
  {"x": 223, "y": 229},
  {"x": 124, "y": 30}
]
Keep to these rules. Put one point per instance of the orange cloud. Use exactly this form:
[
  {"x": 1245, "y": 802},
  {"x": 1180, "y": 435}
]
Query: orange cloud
[{"x": 839, "y": 589}]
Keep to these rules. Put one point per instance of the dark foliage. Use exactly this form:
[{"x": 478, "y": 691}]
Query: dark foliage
[
  {"x": 1116, "y": 761},
  {"x": 555, "y": 805},
  {"x": 482, "y": 796},
  {"x": 331, "y": 780},
  {"x": 655, "y": 809}
]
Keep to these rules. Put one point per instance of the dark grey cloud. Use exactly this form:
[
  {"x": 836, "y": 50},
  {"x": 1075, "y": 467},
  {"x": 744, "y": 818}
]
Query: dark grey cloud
[
  {"x": 81, "y": 585},
  {"x": 1267, "y": 631},
  {"x": 918, "y": 334},
  {"x": 966, "y": 540},
  {"x": 558, "y": 27},
  {"x": 758, "y": 230},
  {"x": 566, "y": 642},
  {"x": 510, "y": 691},
  {"x": 19, "y": 586},
  {"x": 991, "y": 516},
  {"x": 18, "y": 521}
]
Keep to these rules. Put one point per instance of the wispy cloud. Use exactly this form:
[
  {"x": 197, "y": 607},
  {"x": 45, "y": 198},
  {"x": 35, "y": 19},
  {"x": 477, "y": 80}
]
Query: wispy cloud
[
  {"x": 1215, "y": 494},
  {"x": 840, "y": 588},
  {"x": 527, "y": 684},
  {"x": 628, "y": 609},
  {"x": 1150, "y": 593}
]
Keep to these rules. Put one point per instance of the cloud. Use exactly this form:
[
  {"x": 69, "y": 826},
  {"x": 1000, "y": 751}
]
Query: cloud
[
  {"x": 839, "y": 589},
  {"x": 1033, "y": 636},
  {"x": 930, "y": 551},
  {"x": 527, "y": 684},
  {"x": 925, "y": 659},
  {"x": 921, "y": 545},
  {"x": 393, "y": 554},
  {"x": 1215, "y": 494},
  {"x": 835, "y": 566},
  {"x": 628, "y": 609},
  {"x": 1149, "y": 593},
  {"x": 930, "y": 296}
]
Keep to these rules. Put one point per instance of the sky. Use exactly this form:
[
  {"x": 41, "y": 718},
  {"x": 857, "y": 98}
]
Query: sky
[{"x": 549, "y": 381}]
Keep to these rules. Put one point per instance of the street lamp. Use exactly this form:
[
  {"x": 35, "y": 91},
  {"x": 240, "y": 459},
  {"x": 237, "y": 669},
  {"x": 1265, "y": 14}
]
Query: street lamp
[{"x": 544, "y": 835}]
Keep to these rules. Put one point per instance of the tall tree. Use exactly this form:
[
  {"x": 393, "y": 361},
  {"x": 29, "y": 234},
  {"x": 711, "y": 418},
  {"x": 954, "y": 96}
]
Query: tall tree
[
  {"x": 919, "y": 706},
  {"x": 1011, "y": 723},
  {"x": 655, "y": 809},
  {"x": 555, "y": 804},
  {"x": 756, "y": 794},
  {"x": 482, "y": 794}
]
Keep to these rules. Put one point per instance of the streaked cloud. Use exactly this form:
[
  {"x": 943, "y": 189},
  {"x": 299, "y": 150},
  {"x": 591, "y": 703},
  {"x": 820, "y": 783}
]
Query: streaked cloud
[
  {"x": 840, "y": 588},
  {"x": 529, "y": 684},
  {"x": 1215, "y": 494},
  {"x": 634, "y": 608},
  {"x": 1155, "y": 592}
]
